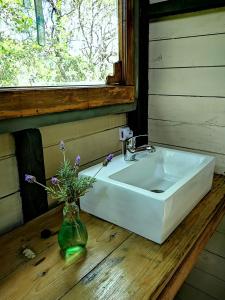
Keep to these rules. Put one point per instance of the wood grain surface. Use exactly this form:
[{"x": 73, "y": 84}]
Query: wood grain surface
[
  {"x": 118, "y": 265},
  {"x": 30, "y": 102}
]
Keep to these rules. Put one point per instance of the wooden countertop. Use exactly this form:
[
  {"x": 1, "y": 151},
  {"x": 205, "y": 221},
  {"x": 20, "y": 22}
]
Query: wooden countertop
[{"x": 118, "y": 265}]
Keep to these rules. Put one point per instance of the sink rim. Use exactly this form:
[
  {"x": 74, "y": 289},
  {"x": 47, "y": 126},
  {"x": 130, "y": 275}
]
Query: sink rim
[{"x": 105, "y": 174}]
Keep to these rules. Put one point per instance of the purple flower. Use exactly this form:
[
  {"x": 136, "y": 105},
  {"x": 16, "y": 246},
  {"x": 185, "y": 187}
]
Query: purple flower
[
  {"x": 77, "y": 160},
  {"x": 30, "y": 178},
  {"x": 107, "y": 160},
  {"x": 62, "y": 146},
  {"x": 109, "y": 157},
  {"x": 54, "y": 180}
]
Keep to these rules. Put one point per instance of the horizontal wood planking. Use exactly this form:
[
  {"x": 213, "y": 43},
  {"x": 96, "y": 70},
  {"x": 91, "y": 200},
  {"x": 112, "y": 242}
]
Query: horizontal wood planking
[
  {"x": 60, "y": 276},
  {"x": 51, "y": 135},
  {"x": 10, "y": 212},
  {"x": 206, "y": 138},
  {"x": 221, "y": 227},
  {"x": 207, "y": 81},
  {"x": 9, "y": 181},
  {"x": 193, "y": 110},
  {"x": 7, "y": 145},
  {"x": 220, "y": 158},
  {"x": 193, "y": 51},
  {"x": 188, "y": 292},
  {"x": 190, "y": 24},
  {"x": 216, "y": 244},
  {"x": 212, "y": 264},
  {"x": 89, "y": 148},
  {"x": 211, "y": 285}
]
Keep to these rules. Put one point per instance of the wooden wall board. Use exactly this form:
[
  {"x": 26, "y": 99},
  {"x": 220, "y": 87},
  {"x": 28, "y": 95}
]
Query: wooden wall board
[
  {"x": 9, "y": 180},
  {"x": 7, "y": 145},
  {"x": 188, "y": 292},
  {"x": 186, "y": 52},
  {"x": 190, "y": 24},
  {"x": 212, "y": 264},
  {"x": 213, "y": 286},
  {"x": 51, "y": 135},
  {"x": 208, "y": 81},
  {"x": 186, "y": 88},
  {"x": 202, "y": 137},
  {"x": 88, "y": 147},
  {"x": 217, "y": 244},
  {"x": 221, "y": 227},
  {"x": 193, "y": 110},
  {"x": 10, "y": 212}
]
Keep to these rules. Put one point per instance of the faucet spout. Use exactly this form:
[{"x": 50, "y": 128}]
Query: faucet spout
[{"x": 130, "y": 146}]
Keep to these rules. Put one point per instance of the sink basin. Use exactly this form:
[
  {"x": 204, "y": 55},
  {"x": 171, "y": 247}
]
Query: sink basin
[{"x": 152, "y": 195}]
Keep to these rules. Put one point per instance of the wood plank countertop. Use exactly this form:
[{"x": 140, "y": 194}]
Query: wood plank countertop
[{"x": 118, "y": 265}]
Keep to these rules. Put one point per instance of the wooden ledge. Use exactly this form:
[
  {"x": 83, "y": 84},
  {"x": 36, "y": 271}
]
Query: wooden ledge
[
  {"x": 119, "y": 264},
  {"x": 23, "y": 102}
]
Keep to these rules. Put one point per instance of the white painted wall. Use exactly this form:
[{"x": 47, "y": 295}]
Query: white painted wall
[
  {"x": 187, "y": 83},
  {"x": 93, "y": 139},
  {"x": 10, "y": 201}
]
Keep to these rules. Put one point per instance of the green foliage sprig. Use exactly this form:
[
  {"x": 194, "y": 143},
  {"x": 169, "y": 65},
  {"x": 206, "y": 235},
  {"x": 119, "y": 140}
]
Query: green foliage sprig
[{"x": 68, "y": 186}]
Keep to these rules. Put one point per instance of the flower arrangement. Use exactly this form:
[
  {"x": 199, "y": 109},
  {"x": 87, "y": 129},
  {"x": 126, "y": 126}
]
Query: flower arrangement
[{"x": 67, "y": 186}]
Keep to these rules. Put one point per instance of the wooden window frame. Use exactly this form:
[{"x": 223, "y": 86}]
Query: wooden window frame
[
  {"x": 119, "y": 88},
  {"x": 174, "y": 7}
]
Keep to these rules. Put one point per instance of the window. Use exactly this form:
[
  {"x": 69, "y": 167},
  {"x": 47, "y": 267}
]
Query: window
[
  {"x": 57, "y": 92},
  {"x": 66, "y": 42}
]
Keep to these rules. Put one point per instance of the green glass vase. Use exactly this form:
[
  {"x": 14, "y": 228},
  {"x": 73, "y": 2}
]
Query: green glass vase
[{"x": 72, "y": 236}]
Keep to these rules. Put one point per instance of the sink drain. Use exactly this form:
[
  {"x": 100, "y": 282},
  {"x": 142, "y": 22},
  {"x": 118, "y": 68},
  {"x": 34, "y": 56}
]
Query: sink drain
[{"x": 157, "y": 191}]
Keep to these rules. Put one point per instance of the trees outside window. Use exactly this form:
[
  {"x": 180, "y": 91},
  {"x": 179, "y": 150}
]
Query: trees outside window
[{"x": 78, "y": 44}]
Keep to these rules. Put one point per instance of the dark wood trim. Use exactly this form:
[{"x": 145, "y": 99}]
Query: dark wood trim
[
  {"x": 173, "y": 7},
  {"x": 21, "y": 102},
  {"x": 11, "y": 125},
  {"x": 117, "y": 77},
  {"x": 128, "y": 47},
  {"x": 138, "y": 119},
  {"x": 30, "y": 160}
]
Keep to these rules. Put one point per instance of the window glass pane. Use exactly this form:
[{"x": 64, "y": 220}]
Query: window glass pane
[{"x": 79, "y": 38}]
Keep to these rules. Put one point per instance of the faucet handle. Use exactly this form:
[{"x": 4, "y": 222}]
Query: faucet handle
[{"x": 139, "y": 140}]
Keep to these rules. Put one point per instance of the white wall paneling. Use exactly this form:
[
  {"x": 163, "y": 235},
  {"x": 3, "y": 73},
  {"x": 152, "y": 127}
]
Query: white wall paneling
[
  {"x": 9, "y": 181},
  {"x": 187, "y": 52},
  {"x": 89, "y": 148},
  {"x": 10, "y": 212},
  {"x": 10, "y": 202},
  {"x": 51, "y": 135},
  {"x": 186, "y": 83},
  {"x": 92, "y": 139},
  {"x": 187, "y": 25},
  {"x": 195, "y": 110}
]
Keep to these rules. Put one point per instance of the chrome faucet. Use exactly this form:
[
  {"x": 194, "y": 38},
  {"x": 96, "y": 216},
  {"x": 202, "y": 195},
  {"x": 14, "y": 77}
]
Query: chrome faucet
[{"x": 129, "y": 148}]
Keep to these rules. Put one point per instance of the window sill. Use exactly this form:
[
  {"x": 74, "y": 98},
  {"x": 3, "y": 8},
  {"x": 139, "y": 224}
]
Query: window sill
[{"x": 27, "y": 102}]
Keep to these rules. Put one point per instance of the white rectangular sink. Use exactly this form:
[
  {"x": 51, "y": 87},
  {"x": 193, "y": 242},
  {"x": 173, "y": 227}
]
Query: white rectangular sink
[{"x": 150, "y": 196}]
